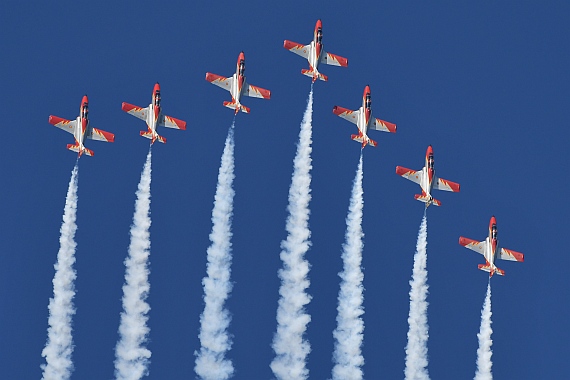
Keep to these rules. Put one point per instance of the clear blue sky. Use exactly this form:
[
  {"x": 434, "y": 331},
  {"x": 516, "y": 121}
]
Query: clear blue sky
[{"x": 486, "y": 84}]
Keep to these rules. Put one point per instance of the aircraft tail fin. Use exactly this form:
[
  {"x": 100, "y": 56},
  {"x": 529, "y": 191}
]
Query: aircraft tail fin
[
  {"x": 148, "y": 135},
  {"x": 233, "y": 105},
  {"x": 314, "y": 74},
  {"x": 428, "y": 200},
  {"x": 76, "y": 148}
]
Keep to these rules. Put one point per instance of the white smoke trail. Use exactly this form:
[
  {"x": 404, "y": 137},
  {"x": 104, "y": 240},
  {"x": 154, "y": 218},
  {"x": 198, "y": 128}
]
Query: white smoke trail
[
  {"x": 348, "y": 333},
  {"x": 291, "y": 349},
  {"x": 59, "y": 345},
  {"x": 484, "y": 351},
  {"x": 214, "y": 321},
  {"x": 416, "y": 349},
  {"x": 131, "y": 356}
]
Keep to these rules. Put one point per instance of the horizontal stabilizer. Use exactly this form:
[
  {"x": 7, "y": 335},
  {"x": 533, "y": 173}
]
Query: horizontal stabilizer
[
  {"x": 314, "y": 75},
  {"x": 358, "y": 138},
  {"x": 234, "y": 106},
  {"x": 428, "y": 200},
  {"x": 491, "y": 270},
  {"x": 148, "y": 135},
  {"x": 364, "y": 140},
  {"x": 75, "y": 148}
]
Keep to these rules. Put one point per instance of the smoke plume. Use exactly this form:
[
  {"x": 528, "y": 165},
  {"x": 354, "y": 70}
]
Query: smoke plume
[
  {"x": 484, "y": 352},
  {"x": 211, "y": 363},
  {"x": 350, "y": 326},
  {"x": 59, "y": 346},
  {"x": 131, "y": 355},
  {"x": 416, "y": 349},
  {"x": 291, "y": 349}
]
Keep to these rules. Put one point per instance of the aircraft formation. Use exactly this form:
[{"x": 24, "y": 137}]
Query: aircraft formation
[{"x": 237, "y": 85}]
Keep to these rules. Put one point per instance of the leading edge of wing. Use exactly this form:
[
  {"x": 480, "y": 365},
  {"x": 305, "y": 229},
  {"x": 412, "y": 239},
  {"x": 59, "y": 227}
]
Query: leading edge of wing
[
  {"x": 66, "y": 125},
  {"x": 443, "y": 184},
  {"x": 384, "y": 126},
  {"x": 477, "y": 246},
  {"x": 334, "y": 60},
  {"x": 220, "y": 81},
  {"x": 509, "y": 254},
  {"x": 100, "y": 135},
  {"x": 412, "y": 175},
  {"x": 346, "y": 114},
  {"x": 299, "y": 49},
  {"x": 257, "y": 92}
]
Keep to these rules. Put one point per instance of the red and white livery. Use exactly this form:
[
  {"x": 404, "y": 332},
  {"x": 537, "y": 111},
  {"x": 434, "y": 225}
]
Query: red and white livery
[
  {"x": 81, "y": 129},
  {"x": 491, "y": 250},
  {"x": 238, "y": 87},
  {"x": 315, "y": 54},
  {"x": 364, "y": 120},
  {"x": 154, "y": 117},
  {"x": 427, "y": 179}
]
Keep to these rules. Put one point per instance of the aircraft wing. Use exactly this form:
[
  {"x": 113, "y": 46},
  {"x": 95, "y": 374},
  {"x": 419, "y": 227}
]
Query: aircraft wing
[
  {"x": 332, "y": 59},
  {"x": 477, "y": 246},
  {"x": 443, "y": 184},
  {"x": 346, "y": 114},
  {"x": 66, "y": 125},
  {"x": 136, "y": 111},
  {"x": 170, "y": 122},
  {"x": 412, "y": 175},
  {"x": 507, "y": 254},
  {"x": 381, "y": 125},
  {"x": 256, "y": 92},
  {"x": 220, "y": 81},
  {"x": 302, "y": 50},
  {"x": 97, "y": 134}
]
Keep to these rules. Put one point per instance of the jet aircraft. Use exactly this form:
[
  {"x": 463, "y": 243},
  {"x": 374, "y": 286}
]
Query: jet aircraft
[
  {"x": 238, "y": 87},
  {"x": 154, "y": 117},
  {"x": 81, "y": 129},
  {"x": 490, "y": 248},
  {"x": 315, "y": 54},
  {"x": 427, "y": 179},
  {"x": 364, "y": 120}
]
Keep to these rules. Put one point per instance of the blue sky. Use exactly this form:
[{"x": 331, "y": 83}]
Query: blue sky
[{"x": 486, "y": 84}]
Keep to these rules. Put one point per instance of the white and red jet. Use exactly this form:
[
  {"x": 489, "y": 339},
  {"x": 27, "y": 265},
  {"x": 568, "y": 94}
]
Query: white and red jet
[
  {"x": 490, "y": 249},
  {"x": 81, "y": 129},
  {"x": 364, "y": 120},
  {"x": 238, "y": 87},
  {"x": 315, "y": 54},
  {"x": 427, "y": 179},
  {"x": 154, "y": 117}
]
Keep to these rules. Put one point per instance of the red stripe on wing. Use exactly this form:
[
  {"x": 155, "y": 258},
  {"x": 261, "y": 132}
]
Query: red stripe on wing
[{"x": 292, "y": 45}]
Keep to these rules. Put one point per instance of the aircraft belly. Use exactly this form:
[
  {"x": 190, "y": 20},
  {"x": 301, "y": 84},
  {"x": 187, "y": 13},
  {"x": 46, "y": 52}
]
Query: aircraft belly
[{"x": 313, "y": 61}]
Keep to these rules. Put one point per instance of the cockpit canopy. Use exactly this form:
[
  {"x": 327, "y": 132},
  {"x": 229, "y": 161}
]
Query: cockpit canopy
[
  {"x": 157, "y": 98},
  {"x": 368, "y": 102},
  {"x": 430, "y": 161},
  {"x": 241, "y": 67},
  {"x": 494, "y": 231},
  {"x": 319, "y": 36},
  {"x": 84, "y": 111}
]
